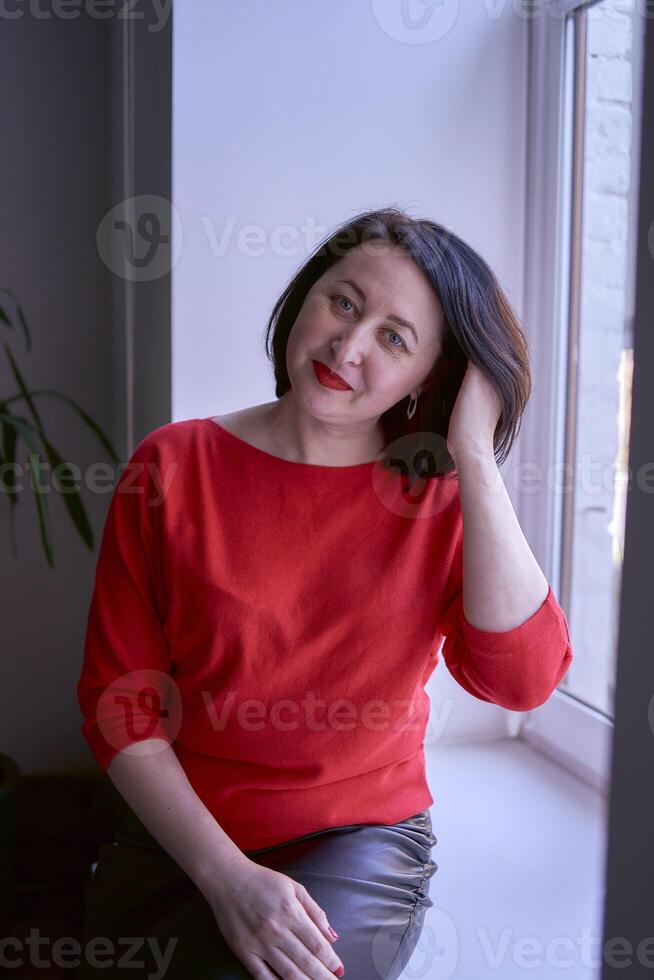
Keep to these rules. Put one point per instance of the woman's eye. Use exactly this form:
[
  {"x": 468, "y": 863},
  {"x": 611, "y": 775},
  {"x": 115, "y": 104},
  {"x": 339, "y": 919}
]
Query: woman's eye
[
  {"x": 338, "y": 298},
  {"x": 390, "y": 333},
  {"x": 401, "y": 339}
]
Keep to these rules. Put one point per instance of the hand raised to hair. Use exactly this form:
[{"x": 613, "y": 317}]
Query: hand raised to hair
[{"x": 475, "y": 415}]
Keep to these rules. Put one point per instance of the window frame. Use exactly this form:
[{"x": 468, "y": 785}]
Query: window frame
[{"x": 576, "y": 735}]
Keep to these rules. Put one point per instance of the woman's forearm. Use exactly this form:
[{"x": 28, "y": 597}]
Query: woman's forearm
[
  {"x": 157, "y": 789},
  {"x": 503, "y": 584}
]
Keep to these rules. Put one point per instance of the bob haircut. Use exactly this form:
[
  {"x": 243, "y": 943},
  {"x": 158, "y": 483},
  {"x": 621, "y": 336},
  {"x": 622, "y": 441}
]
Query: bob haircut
[{"x": 479, "y": 325}]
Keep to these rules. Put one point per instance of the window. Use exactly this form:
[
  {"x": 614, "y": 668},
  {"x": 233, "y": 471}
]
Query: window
[
  {"x": 583, "y": 118},
  {"x": 599, "y": 364}
]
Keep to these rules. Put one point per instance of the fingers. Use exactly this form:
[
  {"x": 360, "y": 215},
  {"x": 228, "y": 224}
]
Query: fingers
[
  {"x": 306, "y": 951},
  {"x": 296, "y": 962},
  {"x": 315, "y": 912},
  {"x": 306, "y": 935},
  {"x": 285, "y": 967},
  {"x": 257, "y": 968}
]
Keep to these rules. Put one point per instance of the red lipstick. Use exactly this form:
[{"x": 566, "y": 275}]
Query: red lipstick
[{"x": 329, "y": 379}]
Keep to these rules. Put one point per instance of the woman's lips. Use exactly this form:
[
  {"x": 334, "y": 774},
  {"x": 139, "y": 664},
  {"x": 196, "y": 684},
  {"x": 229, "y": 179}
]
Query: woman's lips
[{"x": 328, "y": 378}]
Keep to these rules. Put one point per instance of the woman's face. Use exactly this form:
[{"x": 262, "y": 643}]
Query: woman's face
[{"x": 352, "y": 331}]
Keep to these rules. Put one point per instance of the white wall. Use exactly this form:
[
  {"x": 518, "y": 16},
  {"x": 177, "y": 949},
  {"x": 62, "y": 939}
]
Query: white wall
[{"x": 291, "y": 116}]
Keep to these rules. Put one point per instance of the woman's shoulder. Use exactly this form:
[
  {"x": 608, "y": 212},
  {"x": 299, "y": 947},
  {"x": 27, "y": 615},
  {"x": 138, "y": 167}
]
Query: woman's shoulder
[
  {"x": 168, "y": 438},
  {"x": 179, "y": 441},
  {"x": 247, "y": 423}
]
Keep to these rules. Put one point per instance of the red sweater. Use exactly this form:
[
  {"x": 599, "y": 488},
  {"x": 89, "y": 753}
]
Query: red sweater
[{"x": 276, "y": 623}]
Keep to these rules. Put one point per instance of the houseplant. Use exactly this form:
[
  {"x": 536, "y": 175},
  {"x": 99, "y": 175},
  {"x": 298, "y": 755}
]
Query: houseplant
[{"x": 29, "y": 429}]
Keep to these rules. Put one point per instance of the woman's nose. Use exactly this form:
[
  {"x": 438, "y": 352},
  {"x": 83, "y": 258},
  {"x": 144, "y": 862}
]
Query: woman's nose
[{"x": 350, "y": 347}]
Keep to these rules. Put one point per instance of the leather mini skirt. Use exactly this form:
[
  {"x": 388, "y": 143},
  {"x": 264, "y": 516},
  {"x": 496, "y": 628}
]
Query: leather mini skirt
[{"x": 372, "y": 880}]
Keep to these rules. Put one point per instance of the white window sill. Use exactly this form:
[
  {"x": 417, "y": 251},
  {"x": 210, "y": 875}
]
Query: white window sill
[{"x": 520, "y": 854}]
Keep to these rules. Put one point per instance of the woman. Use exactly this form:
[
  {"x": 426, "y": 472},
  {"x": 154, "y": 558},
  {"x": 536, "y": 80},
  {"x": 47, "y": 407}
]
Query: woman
[{"x": 272, "y": 591}]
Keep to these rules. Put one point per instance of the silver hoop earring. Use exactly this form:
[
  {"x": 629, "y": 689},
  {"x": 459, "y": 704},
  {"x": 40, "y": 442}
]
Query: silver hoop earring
[{"x": 411, "y": 410}]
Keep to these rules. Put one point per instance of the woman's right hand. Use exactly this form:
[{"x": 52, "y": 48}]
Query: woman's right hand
[{"x": 269, "y": 920}]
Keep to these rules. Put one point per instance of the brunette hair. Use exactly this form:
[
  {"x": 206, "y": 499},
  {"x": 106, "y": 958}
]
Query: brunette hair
[{"x": 479, "y": 325}]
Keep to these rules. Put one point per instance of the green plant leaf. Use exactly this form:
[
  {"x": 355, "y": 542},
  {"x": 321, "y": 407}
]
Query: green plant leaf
[
  {"x": 23, "y": 323},
  {"x": 72, "y": 498},
  {"x": 26, "y": 431},
  {"x": 21, "y": 384},
  {"x": 9, "y": 457},
  {"x": 19, "y": 312},
  {"x": 85, "y": 417},
  {"x": 14, "y": 427}
]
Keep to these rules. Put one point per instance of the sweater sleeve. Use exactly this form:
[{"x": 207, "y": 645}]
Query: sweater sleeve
[
  {"x": 517, "y": 669},
  {"x": 125, "y": 677}
]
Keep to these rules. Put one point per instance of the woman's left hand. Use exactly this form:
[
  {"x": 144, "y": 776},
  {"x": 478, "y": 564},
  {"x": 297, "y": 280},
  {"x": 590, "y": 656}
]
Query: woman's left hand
[{"x": 475, "y": 415}]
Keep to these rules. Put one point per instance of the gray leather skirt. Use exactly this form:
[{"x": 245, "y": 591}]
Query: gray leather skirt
[{"x": 372, "y": 880}]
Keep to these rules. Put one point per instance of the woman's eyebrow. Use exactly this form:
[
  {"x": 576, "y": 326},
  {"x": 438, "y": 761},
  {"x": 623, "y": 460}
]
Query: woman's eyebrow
[{"x": 396, "y": 319}]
